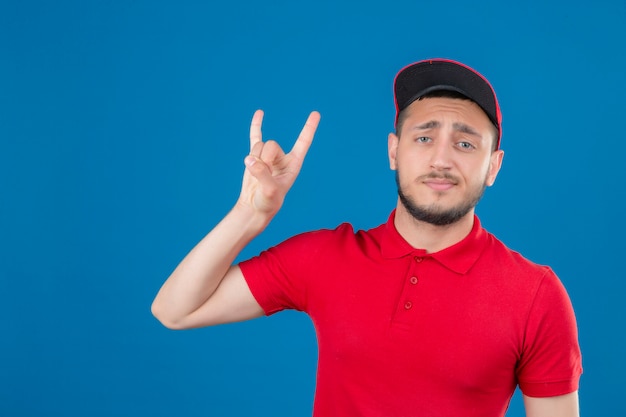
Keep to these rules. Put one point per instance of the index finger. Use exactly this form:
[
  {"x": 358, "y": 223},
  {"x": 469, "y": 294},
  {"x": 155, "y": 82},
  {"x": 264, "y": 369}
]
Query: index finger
[
  {"x": 301, "y": 147},
  {"x": 255, "y": 128}
]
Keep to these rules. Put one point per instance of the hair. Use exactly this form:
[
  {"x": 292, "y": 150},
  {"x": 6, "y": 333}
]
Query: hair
[{"x": 443, "y": 94}]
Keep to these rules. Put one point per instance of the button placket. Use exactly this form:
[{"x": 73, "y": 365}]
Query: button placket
[{"x": 406, "y": 312}]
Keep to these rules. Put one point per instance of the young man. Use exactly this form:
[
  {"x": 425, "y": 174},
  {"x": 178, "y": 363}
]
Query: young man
[{"x": 425, "y": 315}]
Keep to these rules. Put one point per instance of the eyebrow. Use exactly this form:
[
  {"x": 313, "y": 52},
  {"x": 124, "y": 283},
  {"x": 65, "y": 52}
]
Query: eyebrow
[
  {"x": 459, "y": 127},
  {"x": 433, "y": 124},
  {"x": 463, "y": 128}
]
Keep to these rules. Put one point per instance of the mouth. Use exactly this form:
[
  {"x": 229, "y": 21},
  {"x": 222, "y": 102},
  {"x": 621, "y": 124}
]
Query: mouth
[
  {"x": 439, "y": 182},
  {"x": 439, "y": 185}
]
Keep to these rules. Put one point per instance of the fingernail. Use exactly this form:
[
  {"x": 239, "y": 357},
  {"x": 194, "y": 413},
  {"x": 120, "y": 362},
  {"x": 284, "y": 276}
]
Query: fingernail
[{"x": 249, "y": 160}]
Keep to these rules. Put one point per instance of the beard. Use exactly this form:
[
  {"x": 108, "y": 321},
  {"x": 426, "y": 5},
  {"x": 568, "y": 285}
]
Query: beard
[{"x": 434, "y": 213}]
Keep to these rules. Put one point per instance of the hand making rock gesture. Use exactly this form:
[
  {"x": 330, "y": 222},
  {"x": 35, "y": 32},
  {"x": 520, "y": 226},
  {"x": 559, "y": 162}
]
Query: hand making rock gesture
[{"x": 270, "y": 172}]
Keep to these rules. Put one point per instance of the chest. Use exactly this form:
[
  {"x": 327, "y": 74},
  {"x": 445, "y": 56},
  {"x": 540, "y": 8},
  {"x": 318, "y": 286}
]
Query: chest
[{"x": 413, "y": 317}]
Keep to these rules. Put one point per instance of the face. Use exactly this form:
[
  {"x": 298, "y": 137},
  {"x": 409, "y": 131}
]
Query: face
[{"x": 443, "y": 159}]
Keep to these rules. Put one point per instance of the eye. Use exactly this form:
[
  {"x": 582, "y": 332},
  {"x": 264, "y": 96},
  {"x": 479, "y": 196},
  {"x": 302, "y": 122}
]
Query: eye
[
  {"x": 466, "y": 146},
  {"x": 423, "y": 139}
]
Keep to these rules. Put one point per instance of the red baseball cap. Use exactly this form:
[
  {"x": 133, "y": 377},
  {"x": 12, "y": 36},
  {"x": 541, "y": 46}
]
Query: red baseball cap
[{"x": 423, "y": 77}]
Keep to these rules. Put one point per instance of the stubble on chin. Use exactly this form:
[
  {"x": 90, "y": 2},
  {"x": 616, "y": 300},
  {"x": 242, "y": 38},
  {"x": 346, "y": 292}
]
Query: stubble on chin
[{"x": 435, "y": 214}]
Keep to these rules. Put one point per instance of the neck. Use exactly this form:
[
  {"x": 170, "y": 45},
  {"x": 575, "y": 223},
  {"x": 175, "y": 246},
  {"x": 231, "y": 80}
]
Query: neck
[{"x": 430, "y": 237}]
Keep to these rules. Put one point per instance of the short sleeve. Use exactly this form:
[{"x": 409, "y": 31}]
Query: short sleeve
[
  {"x": 278, "y": 277},
  {"x": 551, "y": 362}
]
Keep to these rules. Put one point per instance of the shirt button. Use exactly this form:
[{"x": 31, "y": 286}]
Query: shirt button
[
  {"x": 413, "y": 280},
  {"x": 408, "y": 305},
  {"x": 418, "y": 259}
]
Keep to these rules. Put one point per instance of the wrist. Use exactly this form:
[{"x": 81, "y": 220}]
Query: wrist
[{"x": 250, "y": 219}]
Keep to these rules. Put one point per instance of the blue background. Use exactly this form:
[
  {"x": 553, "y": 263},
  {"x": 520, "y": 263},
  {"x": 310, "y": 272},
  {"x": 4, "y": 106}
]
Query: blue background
[{"x": 123, "y": 127}]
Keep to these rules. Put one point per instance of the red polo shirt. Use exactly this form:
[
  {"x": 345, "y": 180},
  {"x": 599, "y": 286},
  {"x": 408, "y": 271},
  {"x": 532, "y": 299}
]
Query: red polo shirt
[{"x": 405, "y": 333}]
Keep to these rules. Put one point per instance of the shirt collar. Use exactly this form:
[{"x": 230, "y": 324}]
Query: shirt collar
[{"x": 459, "y": 257}]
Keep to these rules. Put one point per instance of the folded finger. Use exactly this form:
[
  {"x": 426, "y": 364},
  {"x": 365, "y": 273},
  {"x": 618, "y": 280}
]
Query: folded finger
[{"x": 271, "y": 152}]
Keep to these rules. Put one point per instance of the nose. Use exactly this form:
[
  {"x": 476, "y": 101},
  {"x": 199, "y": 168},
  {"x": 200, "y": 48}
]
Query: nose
[{"x": 441, "y": 156}]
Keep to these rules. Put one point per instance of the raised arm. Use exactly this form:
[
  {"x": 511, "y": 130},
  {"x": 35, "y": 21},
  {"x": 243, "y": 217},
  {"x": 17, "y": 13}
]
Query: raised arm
[{"x": 205, "y": 288}]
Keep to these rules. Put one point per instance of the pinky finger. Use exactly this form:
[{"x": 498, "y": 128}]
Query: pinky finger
[{"x": 301, "y": 147}]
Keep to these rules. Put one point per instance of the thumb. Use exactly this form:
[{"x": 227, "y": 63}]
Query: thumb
[{"x": 258, "y": 169}]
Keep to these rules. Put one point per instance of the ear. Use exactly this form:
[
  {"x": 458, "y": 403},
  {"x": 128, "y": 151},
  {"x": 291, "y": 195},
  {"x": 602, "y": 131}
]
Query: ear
[
  {"x": 392, "y": 149},
  {"x": 495, "y": 163}
]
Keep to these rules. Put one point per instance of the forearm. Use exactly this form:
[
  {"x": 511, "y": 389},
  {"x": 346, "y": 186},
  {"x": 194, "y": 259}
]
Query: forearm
[{"x": 199, "y": 274}]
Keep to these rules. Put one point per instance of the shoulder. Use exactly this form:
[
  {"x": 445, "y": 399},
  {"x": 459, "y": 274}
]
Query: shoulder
[
  {"x": 535, "y": 283},
  {"x": 524, "y": 280},
  {"x": 342, "y": 237},
  {"x": 507, "y": 259}
]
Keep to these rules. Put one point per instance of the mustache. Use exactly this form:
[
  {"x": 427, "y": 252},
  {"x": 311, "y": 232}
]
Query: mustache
[{"x": 439, "y": 176}]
